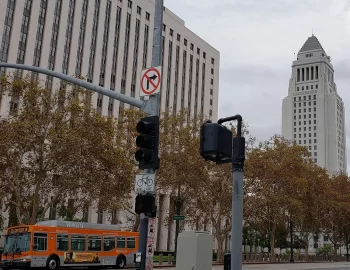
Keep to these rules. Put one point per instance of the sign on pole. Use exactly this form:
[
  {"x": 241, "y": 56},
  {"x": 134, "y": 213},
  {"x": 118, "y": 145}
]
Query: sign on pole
[
  {"x": 150, "y": 243},
  {"x": 150, "y": 81},
  {"x": 145, "y": 183}
]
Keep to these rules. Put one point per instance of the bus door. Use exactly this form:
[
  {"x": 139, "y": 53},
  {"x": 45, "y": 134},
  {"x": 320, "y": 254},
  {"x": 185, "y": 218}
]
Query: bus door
[{"x": 40, "y": 249}]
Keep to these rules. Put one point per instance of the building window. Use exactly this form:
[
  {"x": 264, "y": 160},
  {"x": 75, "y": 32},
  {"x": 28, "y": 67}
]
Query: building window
[
  {"x": 178, "y": 37},
  {"x": 129, "y": 4},
  {"x": 115, "y": 59},
  {"x": 81, "y": 39},
  {"x": 198, "y": 51},
  {"x": 145, "y": 46},
  {"x": 54, "y": 41},
  {"x": 135, "y": 60},
  {"x": 93, "y": 41},
  {"x": 185, "y": 42},
  {"x": 164, "y": 27},
  {"x": 138, "y": 10},
  {"x": 184, "y": 62},
  {"x": 192, "y": 46},
  {"x": 204, "y": 55},
  {"x": 171, "y": 32},
  {"x": 40, "y": 33},
  {"x": 147, "y": 16},
  {"x": 70, "y": 21}
]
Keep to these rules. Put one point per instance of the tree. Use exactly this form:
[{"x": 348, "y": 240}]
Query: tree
[
  {"x": 274, "y": 181},
  {"x": 55, "y": 147},
  {"x": 335, "y": 218},
  {"x": 206, "y": 187},
  {"x": 313, "y": 202}
]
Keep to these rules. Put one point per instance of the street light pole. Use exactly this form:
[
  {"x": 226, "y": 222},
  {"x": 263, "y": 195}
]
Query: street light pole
[{"x": 178, "y": 212}]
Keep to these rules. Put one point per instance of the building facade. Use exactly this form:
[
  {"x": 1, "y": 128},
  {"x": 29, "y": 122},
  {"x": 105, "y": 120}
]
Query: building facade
[
  {"x": 109, "y": 42},
  {"x": 313, "y": 112}
]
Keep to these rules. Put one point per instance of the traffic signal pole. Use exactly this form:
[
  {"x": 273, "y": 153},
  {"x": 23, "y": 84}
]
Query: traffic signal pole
[{"x": 154, "y": 102}]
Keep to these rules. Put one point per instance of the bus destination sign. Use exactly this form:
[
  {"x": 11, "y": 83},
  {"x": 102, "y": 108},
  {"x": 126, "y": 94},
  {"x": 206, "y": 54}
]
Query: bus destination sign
[{"x": 18, "y": 230}]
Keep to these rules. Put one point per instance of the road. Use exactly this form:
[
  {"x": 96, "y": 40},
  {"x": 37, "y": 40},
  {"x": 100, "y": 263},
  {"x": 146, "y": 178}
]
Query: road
[{"x": 287, "y": 266}]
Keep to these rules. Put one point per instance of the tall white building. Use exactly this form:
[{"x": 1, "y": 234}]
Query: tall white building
[
  {"x": 109, "y": 42},
  {"x": 313, "y": 112}
]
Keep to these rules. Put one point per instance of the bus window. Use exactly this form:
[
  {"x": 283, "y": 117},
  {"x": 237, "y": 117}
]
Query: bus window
[
  {"x": 108, "y": 243},
  {"x": 62, "y": 242},
  {"x": 131, "y": 243},
  {"x": 120, "y": 242},
  {"x": 77, "y": 243},
  {"x": 94, "y": 243},
  {"x": 40, "y": 241}
]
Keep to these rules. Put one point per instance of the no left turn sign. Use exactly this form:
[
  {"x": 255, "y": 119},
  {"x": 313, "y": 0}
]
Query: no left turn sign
[{"x": 150, "y": 81}]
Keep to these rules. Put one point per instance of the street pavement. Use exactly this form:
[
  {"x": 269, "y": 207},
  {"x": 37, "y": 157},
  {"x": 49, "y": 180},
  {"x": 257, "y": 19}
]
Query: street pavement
[{"x": 286, "y": 266}]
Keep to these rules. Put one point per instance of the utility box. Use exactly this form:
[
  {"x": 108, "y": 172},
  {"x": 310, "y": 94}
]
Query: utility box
[{"x": 194, "y": 251}]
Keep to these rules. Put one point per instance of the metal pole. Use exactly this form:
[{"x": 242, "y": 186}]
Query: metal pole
[
  {"x": 154, "y": 110},
  {"x": 178, "y": 208},
  {"x": 291, "y": 242},
  {"x": 237, "y": 217},
  {"x": 115, "y": 95},
  {"x": 238, "y": 157}
]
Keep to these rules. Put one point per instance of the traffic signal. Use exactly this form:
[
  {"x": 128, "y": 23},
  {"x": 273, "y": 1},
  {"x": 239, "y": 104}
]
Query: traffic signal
[
  {"x": 215, "y": 143},
  {"x": 146, "y": 204},
  {"x": 147, "y": 141}
]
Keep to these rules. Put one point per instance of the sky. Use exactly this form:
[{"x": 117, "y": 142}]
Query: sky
[{"x": 257, "y": 40}]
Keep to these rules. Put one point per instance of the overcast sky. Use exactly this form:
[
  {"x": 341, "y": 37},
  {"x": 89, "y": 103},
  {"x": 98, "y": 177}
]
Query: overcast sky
[{"x": 257, "y": 40}]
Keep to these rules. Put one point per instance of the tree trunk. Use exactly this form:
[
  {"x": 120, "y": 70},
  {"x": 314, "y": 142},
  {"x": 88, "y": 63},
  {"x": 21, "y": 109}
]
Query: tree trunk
[
  {"x": 220, "y": 251},
  {"x": 13, "y": 219},
  {"x": 306, "y": 240}
]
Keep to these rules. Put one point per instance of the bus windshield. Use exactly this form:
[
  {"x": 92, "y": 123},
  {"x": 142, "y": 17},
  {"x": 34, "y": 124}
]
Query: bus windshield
[{"x": 17, "y": 243}]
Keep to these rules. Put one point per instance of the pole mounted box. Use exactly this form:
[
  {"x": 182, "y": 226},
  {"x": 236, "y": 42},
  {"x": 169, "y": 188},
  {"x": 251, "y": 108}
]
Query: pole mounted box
[
  {"x": 215, "y": 143},
  {"x": 148, "y": 143}
]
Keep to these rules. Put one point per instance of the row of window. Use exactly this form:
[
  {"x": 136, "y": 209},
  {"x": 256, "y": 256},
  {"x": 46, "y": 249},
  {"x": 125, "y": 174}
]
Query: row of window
[
  {"x": 307, "y": 87},
  {"x": 310, "y": 115},
  {"x": 305, "y": 141},
  {"x": 305, "y": 134},
  {"x": 295, "y": 129},
  {"x": 295, "y": 111},
  {"x": 308, "y": 73},
  {"x": 314, "y": 103},
  {"x": 84, "y": 243},
  {"x": 295, "y": 123},
  {"x": 304, "y": 98}
]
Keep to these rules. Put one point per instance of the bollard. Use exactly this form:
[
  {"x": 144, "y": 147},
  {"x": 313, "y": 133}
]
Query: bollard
[
  {"x": 227, "y": 261},
  {"x": 161, "y": 259}
]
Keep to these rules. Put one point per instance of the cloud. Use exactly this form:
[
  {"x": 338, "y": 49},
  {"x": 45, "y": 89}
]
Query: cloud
[{"x": 257, "y": 41}]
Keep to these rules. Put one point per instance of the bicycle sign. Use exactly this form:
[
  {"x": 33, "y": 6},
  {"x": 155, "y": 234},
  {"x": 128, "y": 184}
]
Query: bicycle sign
[{"x": 144, "y": 183}]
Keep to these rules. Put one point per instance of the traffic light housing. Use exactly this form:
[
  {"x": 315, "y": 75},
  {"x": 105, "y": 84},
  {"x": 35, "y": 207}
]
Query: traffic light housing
[
  {"x": 216, "y": 143},
  {"x": 148, "y": 141},
  {"x": 146, "y": 204}
]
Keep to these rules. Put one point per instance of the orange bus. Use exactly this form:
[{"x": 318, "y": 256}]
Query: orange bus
[{"x": 54, "y": 244}]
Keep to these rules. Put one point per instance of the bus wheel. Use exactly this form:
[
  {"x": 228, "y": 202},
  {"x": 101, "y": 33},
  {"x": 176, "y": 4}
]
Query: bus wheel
[
  {"x": 52, "y": 263},
  {"x": 121, "y": 261}
]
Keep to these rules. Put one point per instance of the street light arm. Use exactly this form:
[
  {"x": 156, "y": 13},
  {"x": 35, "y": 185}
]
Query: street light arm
[{"x": 112, "y": 94}]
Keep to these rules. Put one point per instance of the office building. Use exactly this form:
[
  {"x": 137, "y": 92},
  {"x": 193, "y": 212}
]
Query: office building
[{"x": 313, "y": 112}]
